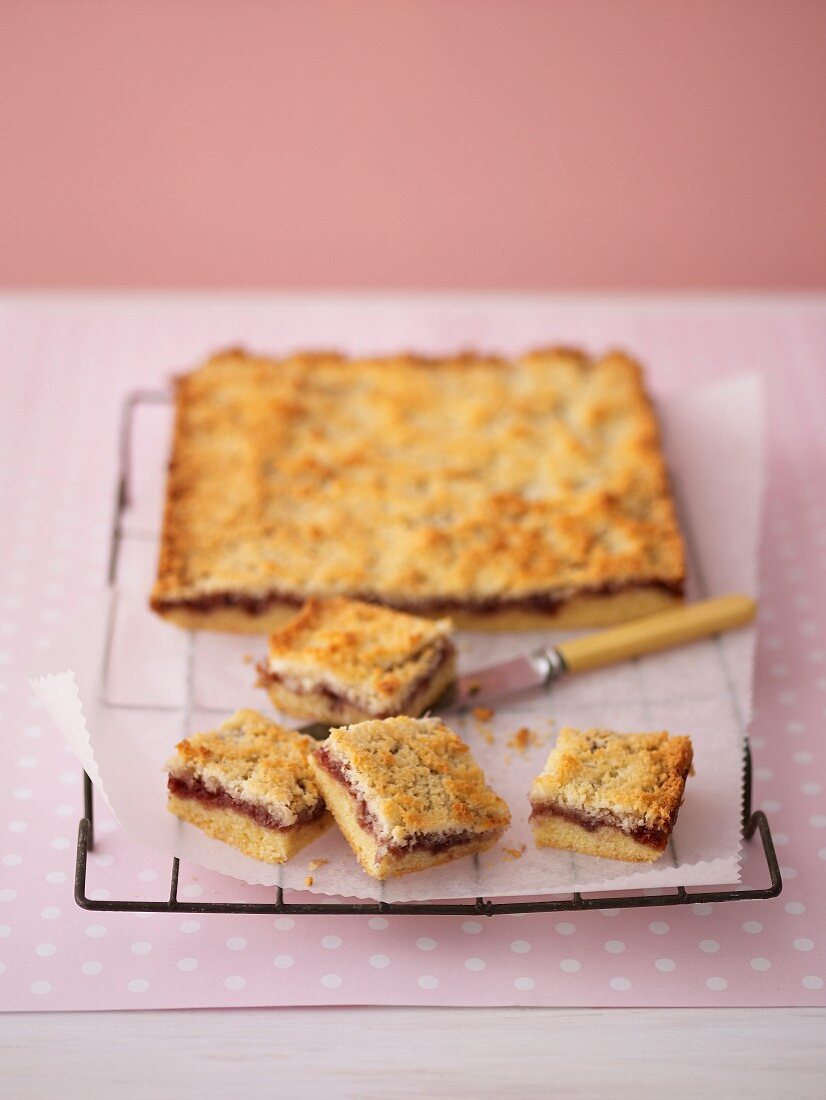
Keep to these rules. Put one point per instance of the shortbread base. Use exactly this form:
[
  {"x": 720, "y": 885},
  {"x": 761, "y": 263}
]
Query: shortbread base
[
  {"x": 366, "y": 847},
  {"x": 605, "y": 841},
  {"x": 241, "y": 832},
  {"x": 321, "y": 708},
  {"x": 577, "y": 613}
]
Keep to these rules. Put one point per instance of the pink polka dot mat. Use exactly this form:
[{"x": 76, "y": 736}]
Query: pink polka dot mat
[{"x": 66, "y": 363}]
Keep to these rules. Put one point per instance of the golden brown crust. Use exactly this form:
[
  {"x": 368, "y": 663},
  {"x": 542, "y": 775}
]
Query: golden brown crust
[
  {"x": 369, "y": 657},
  {"x": 254, "y": 761},
  {"x": 416, "y": 776},
  {"x": 466, "y": 482},
  {"x": 604, "y": 841},
  {"x": 638, "y": 778}
]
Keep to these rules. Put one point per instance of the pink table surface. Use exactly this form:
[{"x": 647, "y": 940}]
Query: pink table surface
[{"x": 65, "y": 363}]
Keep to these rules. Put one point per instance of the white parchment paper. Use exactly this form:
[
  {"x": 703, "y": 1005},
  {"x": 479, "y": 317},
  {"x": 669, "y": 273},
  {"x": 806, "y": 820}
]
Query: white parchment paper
[{"x": 128, "y": 686}]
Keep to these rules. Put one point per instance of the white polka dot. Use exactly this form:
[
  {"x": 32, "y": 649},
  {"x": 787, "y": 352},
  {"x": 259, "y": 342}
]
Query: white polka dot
[
  {"x": 811, "y": 981},
  {"x": 45, "y": 949},
  {"x": 665, "y": 965},
  {"x": 12, "y": 860},
  {"x": 18, "y": 826},
  {"x": 795, "y": 727},
  {"x": 68, "y": 778},
  {"x": 141, "y": 948},
  {"x": 811, "y": 788},
  {"x": 91, "y": 968},
  {"x": 795, "y": 907},
  {"x": 332, "y": 942},
  {"x": 565, "y": 928},
  {"x": 283, "y": 924},
  {"x": 5, "y": 930},
  {"x": 190, "y": 926},
  {"x": 709, "y": 946},
  {"x": 524, "y": 984},
  {"x": 236, "y": 943},
  {"x": 283, "y": 962},
  {"x": 716, "y": 983},
  {"x": 235, "y": 981},
  {"x": 791, "y": 872},
  {"x": 425, "y": 943},
  {"x": 818, "y": 820},
  {"x": 192, "y": 890},
  {"x": 802, "y": 757},
  {"x": 803, "y": 945},
  {"x": 770, "y": 805},
  {"x": 608, "y": 912},
  {"x": 28, "y": 762},
  {"x": 148, "y": 875},
  {"x": 32, "y": 732},
  {"x": 95, "y": 931},
  {"x": 41, "y": 987},
  {"x": 752, "y": 926},
  {"x": 104, "y": 860},
  {"x": 22, "y": 794},
  {"x": 474, "y": 964},
  {"x": 59, "y": 843},
  {"x": 620, "y": 984},
  {"x": 702, "y": 909},
  {"x": 187, "y": 964},
  {"x": 570, "y": 966},
  {"x": 658, "y": 927},
  {"x": 64, "y": 810},
  {"x": 379, "y": 961},
  {"x": 138, "y": 985},
  {"x": 55, "y": 877},
  {"x": 760, "y": 964},
  {"x": 615, "y": 947},
  {"x": 331, "y": 981},
  {"x": 472, "y": 927},
  {"x": 520, "y": 946},
  {"x": 7, "y": 894},
  {"x": 780, "y": 839},
  {"x": 377, "y": 923},
  {"x": 427, "y": 981},
  {"x": 763, "y": 774},
  {"x": 51, "y": 912},
  {"x": 106, "y": 826}
]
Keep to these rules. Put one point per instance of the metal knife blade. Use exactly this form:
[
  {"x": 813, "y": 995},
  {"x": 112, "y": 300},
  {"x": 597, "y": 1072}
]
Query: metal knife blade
[{"x": 491, "y": 684}]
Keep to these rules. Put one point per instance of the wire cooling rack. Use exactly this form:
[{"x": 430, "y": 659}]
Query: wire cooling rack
[{"x": 754, "y": 822}]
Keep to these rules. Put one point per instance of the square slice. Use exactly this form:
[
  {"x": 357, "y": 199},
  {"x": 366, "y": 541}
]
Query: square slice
[
  {"x": 249, "y": 785},
  {"x": 510, "y": 494},
  {"x": 342, "y": 661},
  {"x": 614, "y": 795},
  {"x": 407, "y": 794}
]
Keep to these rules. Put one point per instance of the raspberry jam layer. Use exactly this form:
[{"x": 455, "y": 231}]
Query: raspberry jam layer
[
  {"x": 222, "y": 800},
  {"x": 643, "y": 834},
  {"x": 545, "y": 603},
  {"x": 441, "y": 650},
  {"x": 419, "y": 842}
]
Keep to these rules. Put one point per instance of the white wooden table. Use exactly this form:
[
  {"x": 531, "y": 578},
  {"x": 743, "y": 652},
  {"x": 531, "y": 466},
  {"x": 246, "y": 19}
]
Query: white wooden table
[{"x": 408, "y": 1052}]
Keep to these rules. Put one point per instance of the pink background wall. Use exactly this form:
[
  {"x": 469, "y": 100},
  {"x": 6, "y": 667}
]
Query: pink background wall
[{"x": 600, "y": 143}]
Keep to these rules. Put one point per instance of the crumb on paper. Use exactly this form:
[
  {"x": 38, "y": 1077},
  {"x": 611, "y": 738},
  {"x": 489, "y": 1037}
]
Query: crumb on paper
[
  {"x": 514, "y": 853},
  {"x": 483, "y": 714},
  {"x": 314, "y": 864},
  {"x": 248, "y": 658},
  {"x": 523, "y": 739},
  {"x": 308, "y": 881}
]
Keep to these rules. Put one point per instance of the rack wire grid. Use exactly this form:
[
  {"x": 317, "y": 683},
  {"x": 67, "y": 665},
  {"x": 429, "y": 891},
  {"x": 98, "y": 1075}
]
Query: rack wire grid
[{"x": 754, "y": 822}]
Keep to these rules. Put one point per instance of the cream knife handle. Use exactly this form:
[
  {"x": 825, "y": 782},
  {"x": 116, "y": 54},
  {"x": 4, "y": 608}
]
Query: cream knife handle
[{"x": 660, "y": 631}]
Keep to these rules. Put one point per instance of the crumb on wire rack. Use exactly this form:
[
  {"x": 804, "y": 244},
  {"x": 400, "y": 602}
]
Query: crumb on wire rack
[{"x": 308, "y": 881}]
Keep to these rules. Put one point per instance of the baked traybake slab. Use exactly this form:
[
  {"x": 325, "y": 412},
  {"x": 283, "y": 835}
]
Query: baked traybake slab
[{"x": 508, "y": 494}]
